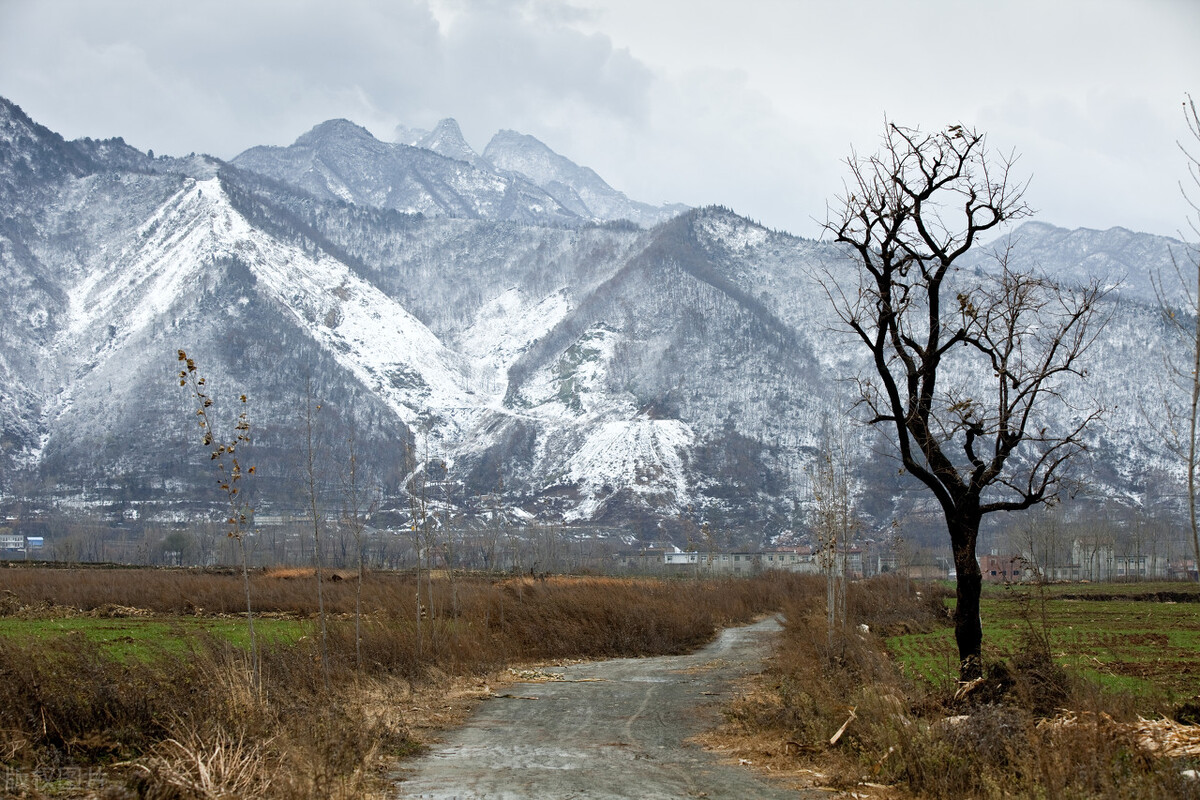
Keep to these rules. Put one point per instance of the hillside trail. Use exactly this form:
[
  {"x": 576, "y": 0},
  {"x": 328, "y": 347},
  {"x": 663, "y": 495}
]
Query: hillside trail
[{"x": 605, "y": 730}]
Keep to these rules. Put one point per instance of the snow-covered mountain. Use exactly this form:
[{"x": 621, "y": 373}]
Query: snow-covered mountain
[
  {"x": 578, "y": 188},
  {"x": 338, "y": 160},
  {"x": 446, "y": 139},
  {"x": 462, "y": 314},
  {"x": 438, "y": 174}
]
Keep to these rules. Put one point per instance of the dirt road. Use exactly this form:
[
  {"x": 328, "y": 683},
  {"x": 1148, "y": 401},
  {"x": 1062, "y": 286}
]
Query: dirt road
[{"x": 610, "y": 729}]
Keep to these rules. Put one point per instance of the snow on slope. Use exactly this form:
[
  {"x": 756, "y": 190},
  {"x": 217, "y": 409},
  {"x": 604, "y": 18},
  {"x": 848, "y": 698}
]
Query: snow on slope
[
  {"x": 731, "y": 233},
  {"x": 137, "y": 285},
  {"x": 645, "y": 456},
  {"x": 504, "y": 328},
  {"x": 371, "y": 335},
  {"x": 598, "y": 440},
  {"x": 575, "y": 383}
]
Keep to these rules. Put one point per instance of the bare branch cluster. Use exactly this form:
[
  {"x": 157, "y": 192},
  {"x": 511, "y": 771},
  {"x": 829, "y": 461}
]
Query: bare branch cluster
[
  {"x": 909, "y": 213},
  {"x": 223, "y": 452}
]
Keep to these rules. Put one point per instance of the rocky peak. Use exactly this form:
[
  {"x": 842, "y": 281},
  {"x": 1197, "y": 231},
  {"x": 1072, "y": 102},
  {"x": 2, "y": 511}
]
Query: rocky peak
[
  {"x": 447, "y": 140},
  {"x": 519, "y": 152},
  {"x": 334, "y": 130}
]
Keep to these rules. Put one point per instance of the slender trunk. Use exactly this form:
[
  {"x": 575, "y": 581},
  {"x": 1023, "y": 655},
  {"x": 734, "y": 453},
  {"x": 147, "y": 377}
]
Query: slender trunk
[
  {"x": 320, "y": 593},
  {"x": 254, "y": 669},
  {"x": 418, "y": 601},
  {"x": 968, "y": 629},
  {"x": 830, "y": 604},
  {"x": 321, "y": 602},
  {"x": 429, "y": 554},
  {"x": 843, "y": 579},
  {"x": 316, "y": 522},
  {"x": 354, "y": 502},
  {"x": 430, "y": 609},
  {"x": 1191, "y": 465},
  {"x": 358, "y": 604}
]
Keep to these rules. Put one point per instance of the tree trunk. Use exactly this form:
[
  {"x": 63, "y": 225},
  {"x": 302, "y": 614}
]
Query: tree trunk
[
  {"x": 968, "y": 630},
  {"x": 1192, "y": 455},
  {"x": 255, "y": 669}
]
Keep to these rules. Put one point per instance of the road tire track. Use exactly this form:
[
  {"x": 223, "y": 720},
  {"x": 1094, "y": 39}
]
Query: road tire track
[{"x": 621, "y": 732}]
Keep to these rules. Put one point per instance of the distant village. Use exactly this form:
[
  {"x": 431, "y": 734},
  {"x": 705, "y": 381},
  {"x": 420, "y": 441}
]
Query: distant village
[
  {"x": 1096, "y": 560},
  {"x": 286, "y": 540}
]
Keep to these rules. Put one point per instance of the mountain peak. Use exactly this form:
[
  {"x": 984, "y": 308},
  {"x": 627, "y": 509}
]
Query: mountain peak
[
  {"x": 446, "y": 139},
  {"x": 334, "y": 129},
  {"x": 530, "y": 156},
  {"x": 28, "y": 148},
  {"x": 576, "y": 187}
]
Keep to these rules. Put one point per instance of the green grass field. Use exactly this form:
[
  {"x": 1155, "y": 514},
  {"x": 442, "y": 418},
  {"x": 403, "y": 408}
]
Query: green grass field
[
  {"x": 143, "y": 637},
  {"x": 1148, "y": 648}
]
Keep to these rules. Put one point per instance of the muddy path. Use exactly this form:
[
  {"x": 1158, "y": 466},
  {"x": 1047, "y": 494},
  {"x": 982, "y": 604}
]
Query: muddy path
[{"x": 608, "y": 729}]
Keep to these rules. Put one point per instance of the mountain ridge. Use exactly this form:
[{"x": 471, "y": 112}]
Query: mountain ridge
[
  {"x": 498, "y": 186},
  {"x": 604, "y": 375}
]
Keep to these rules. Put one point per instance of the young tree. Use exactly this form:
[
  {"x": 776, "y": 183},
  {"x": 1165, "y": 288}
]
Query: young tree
[
  {"x": 359, "y": 499},
  {"x": 832, "y": 518},
  {"x": 415, "y": 487},
  {"x": 1179, "y": 425},
  {"x": 312, "y": 491},
  {"x": 1041, "y": 541},
  {"x": 964, "y": 365},
  {"x": 223, "y": 453}
]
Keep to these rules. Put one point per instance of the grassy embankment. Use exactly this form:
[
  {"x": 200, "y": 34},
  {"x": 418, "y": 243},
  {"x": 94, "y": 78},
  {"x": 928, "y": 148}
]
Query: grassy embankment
[
  {"x": 1057, "y": 717},
  {"x": 137, "y": 683}
]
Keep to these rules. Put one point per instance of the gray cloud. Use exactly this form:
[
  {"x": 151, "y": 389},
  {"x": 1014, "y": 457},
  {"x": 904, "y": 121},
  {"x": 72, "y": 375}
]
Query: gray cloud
[{"x": 751, "y": 105}]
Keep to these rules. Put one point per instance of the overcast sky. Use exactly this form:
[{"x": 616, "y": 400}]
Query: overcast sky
[{"x": 752, "y": 104}]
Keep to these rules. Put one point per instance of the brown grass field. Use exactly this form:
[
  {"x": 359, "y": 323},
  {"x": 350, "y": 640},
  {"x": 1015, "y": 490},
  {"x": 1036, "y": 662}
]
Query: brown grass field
[{"x": 138, "y": 683}]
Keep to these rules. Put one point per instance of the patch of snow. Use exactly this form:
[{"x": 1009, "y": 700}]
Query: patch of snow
[
  {"x": 369, "y": 333},
  {"x": 733, "y": 233},
  {"x": 504, "y": 328},
  {"x": 644, "y": 455},
  {"x": 574, "y": 384},
  {"x": 141, "y": 282}
]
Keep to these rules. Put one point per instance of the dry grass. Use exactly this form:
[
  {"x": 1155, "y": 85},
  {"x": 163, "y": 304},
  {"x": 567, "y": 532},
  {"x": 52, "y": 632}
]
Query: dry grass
[
  {"x": 188, "y": 723},
  {"x": 215, "y": 766},
  {"x": 909, "y": 740}
]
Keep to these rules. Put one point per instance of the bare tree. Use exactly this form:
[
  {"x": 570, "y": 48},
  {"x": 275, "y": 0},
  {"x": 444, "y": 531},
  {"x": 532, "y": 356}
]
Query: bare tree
[
  {"x": 223, "y": 453},
  {"x": 359, "y": 500},
  {"x": 964, "y": 365},
  {"x": 492, "y": 534},
  {"x": 1181, "y": 308},
  {"x": 1039, "y": 541},
  {"x": 311, "y": 490},
  {"x": 415, "y": 487},
  {"x": 832, "y": 518}
]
